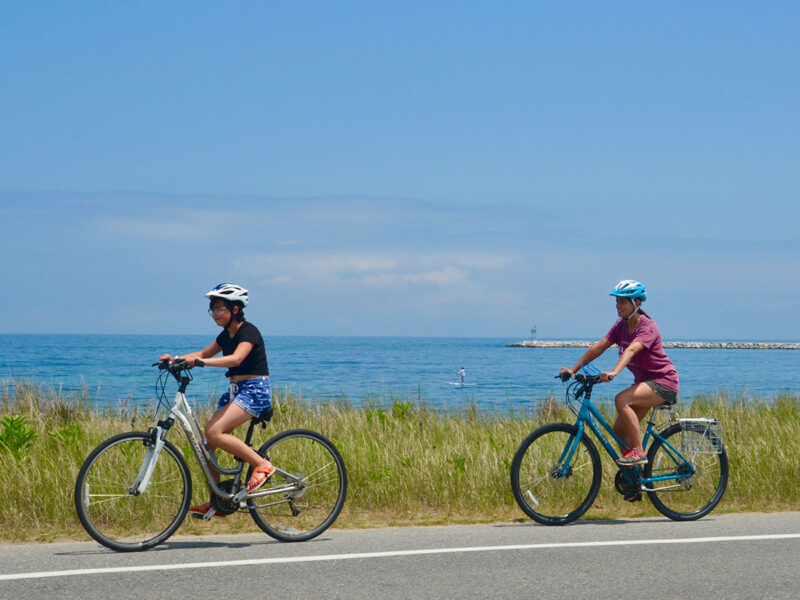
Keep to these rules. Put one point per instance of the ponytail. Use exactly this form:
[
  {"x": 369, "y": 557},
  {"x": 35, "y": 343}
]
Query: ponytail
[{"x": 639, "y": 308}]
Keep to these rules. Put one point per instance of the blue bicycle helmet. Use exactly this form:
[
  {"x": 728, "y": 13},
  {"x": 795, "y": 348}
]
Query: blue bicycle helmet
[{"x": 628, "y": 288}]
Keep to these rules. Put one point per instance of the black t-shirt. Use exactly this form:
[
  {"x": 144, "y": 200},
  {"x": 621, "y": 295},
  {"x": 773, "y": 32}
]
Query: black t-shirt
[{"x": 254, "y": 363}]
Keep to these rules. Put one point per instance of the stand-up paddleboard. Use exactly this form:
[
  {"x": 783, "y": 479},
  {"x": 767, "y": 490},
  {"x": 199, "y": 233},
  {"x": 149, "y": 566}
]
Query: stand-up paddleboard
[{"x": 459, "y": 384}]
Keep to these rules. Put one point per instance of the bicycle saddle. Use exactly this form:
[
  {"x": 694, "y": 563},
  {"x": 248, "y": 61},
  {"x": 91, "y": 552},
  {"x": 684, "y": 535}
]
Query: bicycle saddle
[{"x": 265, "y": 415}]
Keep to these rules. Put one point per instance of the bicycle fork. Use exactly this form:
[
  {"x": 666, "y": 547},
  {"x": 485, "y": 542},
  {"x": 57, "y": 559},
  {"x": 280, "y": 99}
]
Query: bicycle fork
[{"x": 155, "y": 444}]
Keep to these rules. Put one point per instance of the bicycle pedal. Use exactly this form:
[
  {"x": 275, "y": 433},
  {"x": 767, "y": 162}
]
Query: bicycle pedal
[{"x": 209, "y": 514}]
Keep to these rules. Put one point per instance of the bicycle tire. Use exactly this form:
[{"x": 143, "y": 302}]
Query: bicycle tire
[
  {"x": 553, "y": 500},
  {"x": 304, "y": 514},
  {"x": 116, "y": 518},
  {"x": 699, "y": 494}
]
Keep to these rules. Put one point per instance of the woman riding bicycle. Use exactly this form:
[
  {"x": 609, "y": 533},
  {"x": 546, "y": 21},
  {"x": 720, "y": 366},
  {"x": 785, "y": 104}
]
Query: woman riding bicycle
[
  {"x": 245, "y": 357},
  {"x": 640, "y": 350}
]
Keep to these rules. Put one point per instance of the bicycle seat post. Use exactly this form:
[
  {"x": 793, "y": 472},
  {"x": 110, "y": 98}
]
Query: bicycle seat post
[
  {"x": 265, "y": 416},
  {"x": 253, "y": 422},
  {"x": 661, "y": 407}
]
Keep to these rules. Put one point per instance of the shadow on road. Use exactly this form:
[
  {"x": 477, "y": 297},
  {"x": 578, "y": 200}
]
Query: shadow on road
[
  {"x": 188, "y": 544},
  {"x": 583, "y": 522}
]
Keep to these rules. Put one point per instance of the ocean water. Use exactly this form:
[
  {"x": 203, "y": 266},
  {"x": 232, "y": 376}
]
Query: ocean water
[{"x": 117, "y": 368}]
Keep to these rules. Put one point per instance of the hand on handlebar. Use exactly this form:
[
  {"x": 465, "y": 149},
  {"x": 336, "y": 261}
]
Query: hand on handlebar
[
  {"x": 564, "y": 374},
  {"x": 606, "y": 376},
  {"x": 193, "y": 361},
  {"x": 163, "y": 362},
  {"x": 166, "y": 360}
]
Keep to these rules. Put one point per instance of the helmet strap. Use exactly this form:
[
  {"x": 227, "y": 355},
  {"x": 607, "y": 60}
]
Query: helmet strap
[
  {"x": 635, "y": 309},
  {"x": 230, "y": 311},
  {"x": 232, "y": 306}
]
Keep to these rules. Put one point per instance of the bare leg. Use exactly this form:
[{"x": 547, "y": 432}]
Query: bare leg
[
  {"x": 633, "y": 403},
  {"x": 218, "y": 435}
]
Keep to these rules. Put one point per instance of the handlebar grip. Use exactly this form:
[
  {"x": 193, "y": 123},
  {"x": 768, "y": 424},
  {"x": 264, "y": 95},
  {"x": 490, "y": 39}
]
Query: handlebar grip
[
  {"x": 564, "y": 376},
  {"x": 198, "y": 362}
]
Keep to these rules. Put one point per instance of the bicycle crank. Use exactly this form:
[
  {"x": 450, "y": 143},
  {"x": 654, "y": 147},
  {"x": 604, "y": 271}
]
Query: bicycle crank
[
  {"x": 630, "y": 490},
  {"x": 222, "y": 505}
]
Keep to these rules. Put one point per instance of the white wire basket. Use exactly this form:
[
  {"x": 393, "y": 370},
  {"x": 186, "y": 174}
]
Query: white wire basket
[{"x": 701, "y": 436}]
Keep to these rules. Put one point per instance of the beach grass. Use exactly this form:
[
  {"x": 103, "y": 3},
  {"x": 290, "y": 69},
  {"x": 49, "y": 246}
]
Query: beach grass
[{"x": 407, "y": 464}]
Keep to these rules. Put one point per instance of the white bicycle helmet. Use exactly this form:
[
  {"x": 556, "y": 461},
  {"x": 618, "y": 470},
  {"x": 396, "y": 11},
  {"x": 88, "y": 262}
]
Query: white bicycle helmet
[{"x": 229, "y": 291}]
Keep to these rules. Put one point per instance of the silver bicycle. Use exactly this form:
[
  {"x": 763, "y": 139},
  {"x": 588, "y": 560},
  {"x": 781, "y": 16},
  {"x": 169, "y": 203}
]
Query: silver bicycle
[{"x": 134, "y": 490}]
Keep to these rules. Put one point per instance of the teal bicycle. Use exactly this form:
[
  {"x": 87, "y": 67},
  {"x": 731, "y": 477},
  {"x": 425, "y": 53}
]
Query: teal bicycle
[{"x": 556, "y": 471}]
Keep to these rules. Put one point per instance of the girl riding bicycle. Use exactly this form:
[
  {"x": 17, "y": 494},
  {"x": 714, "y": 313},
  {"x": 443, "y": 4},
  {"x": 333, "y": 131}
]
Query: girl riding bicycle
[
  {"x": 245, "y": 357},
  {"x": 641, "y": 351}
]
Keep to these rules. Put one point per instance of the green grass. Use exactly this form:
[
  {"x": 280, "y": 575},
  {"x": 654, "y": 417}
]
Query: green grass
[{"x": 406, "y": 464}]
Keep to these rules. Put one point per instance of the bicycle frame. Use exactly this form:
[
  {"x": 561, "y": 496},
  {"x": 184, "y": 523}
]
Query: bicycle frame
[
  {"x": 590, "y": 416},
  {"x": 181, "y": 411}
]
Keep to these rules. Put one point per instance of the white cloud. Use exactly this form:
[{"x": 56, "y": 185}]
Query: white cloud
[
  {"x": 186, "y": 224},
  {"x": 369, "y": 270},
  {"x": 441, "y": 277}
]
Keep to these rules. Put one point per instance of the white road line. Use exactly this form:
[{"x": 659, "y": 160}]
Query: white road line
[{"x": 389, "y": 554}]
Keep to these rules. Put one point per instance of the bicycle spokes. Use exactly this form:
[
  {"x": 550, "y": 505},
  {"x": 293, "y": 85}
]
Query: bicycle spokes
[{"x": 307, "y": 491}]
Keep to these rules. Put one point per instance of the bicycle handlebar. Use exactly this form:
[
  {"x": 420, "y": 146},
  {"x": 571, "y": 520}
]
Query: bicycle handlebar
[
  {"x": 177, "y": 365},
  {"x": 580, "y": 377}
]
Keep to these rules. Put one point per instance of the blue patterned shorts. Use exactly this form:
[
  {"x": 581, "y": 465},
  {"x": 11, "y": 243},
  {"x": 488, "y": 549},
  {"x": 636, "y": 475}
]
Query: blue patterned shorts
[{"x": 252, "y": 395}]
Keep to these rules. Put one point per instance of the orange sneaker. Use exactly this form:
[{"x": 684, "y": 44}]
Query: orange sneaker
[{"x": 260, "y": 476}]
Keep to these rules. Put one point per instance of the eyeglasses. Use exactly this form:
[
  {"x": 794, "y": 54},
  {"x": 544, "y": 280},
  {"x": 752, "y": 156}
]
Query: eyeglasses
[{"x": 218, "y": 310}]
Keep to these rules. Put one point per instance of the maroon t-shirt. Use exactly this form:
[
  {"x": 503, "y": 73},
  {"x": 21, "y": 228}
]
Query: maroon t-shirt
[{"x": 650, "y": 364}]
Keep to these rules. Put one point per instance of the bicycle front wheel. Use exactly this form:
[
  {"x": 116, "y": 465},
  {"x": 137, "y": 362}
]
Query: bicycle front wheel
[
  {"x": 314, "y": 494},
  {"x": 705, "y": 475},
  {"x": 111, "y": 513},
  {"x": 548, "y": 490}
]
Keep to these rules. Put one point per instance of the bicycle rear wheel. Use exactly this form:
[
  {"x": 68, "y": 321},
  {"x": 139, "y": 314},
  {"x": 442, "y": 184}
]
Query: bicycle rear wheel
[
  {"x": 543, "y": 494},
  {"x": 694, "y": 495},
  {"x": 108, "y": 510},
  {"x": 313, "y": 505}
]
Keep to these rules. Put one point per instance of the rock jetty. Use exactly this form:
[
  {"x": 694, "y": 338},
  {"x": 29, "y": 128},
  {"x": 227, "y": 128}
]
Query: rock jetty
[{"x": 705, "y": 345}]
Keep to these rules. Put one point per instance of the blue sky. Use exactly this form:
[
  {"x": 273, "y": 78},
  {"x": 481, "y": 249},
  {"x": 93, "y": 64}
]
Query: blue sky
[{"x": 466, "y": 169}]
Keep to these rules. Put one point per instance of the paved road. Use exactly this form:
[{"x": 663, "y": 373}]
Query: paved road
[{"x": 720, "y": 557}]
